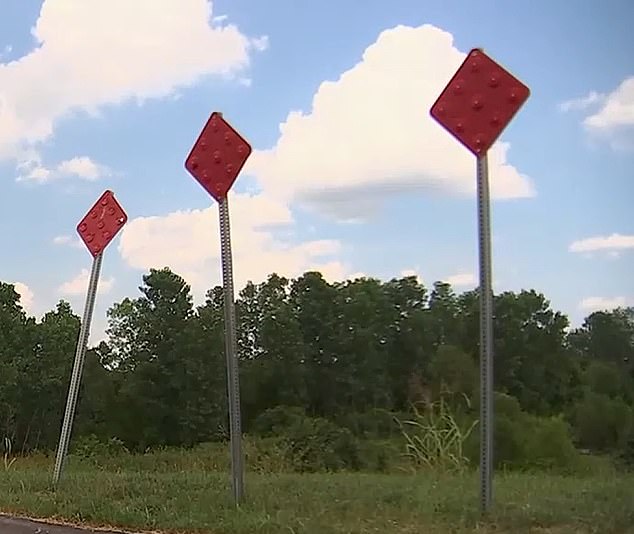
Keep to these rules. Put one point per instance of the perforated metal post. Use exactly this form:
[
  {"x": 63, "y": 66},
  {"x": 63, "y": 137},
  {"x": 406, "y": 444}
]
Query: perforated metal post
[
  {"x": 75, "y": 379},
  {"x": 233, "y": 377},
  {"x": 486, "y": 337}
]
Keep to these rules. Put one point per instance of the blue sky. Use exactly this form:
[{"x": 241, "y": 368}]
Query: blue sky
[{"x": 349, "y": 174}]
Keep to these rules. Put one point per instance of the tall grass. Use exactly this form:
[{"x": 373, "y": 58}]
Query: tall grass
[
  {"x": 434, "y": 439},
  {"x": 7, "y": 457}
]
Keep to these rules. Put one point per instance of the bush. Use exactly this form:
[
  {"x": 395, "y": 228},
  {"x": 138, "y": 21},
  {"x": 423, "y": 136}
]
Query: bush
[
  {"x": 525, "y": 441},
  {"x": 316, "y": 444},
  {"x": 277, "y": 421},
  {"x": 601, "y": 423},
  {"x": 90, "y": 447},
  {"x": 506, "y": 405},
  {"x": 509, "y": 442},
  {"x": 267, "y": 455},
  {"x": 373, "y": 424},
  {"x": 381, "y": 456},
  {"x": 548, "y": 443},
  {"x": 625, "y": 455}
]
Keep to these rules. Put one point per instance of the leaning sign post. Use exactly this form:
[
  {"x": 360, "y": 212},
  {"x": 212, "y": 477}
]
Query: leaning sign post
[
  {"x": 215, "y": 161},
  {"x": 475, "y": 107},
  {"x": 100, "y": 225}
]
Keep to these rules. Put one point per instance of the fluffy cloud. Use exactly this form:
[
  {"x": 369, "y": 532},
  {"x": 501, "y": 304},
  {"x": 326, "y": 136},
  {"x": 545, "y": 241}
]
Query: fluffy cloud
[
  {"x": 80, "y": 167},
  {"x": 462, "y": 280},
  {"x": 582, "y": 103},
  {"x": 611, "y": 243},
  {"x": 617, "y": 109},
  {"x": 592, "y": 304},
  {"x": 79, "y": 285},
  {"x": 83, "y": 167},
  {"x": 68, "y": 240},
  {"x": 96, "y": 52},
  {"x": 412, "y": 272},
  {"x": 189, "y": 243},
  {"x": 369, "y": 133},
  {"x": 613, "y": 115},
  {"x": 26, "y": 296}
]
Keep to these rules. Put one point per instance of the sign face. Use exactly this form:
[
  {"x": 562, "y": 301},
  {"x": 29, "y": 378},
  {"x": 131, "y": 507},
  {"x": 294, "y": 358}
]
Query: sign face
[
  {"x": 479, "y": 101},
  {"x": 217, "y": 157},
  {"x": 102, "y": 223}
]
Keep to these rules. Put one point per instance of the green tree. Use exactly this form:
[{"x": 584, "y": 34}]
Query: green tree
[
  {"x": 274, "y": 368},
  {"x": 57, "y": 335},
  {"x": 410, "y": 340},
  {"x": 453, "y": 371},
  {"x": 317, "y": 307},
  {"x": 158, "y": 351},
  {"x": 532, "y": 362},
  {"x": 609, "y": 337},
  {"x": 443, "y": 318},
  {"x": 18, "y": 369}
]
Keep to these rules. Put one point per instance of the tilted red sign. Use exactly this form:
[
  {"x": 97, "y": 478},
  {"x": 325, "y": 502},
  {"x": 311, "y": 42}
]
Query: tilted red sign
[
  {"x": 217, "y": 156},
  {"x": 479, "y": 102},
  {"x": 102, "y": 223}
]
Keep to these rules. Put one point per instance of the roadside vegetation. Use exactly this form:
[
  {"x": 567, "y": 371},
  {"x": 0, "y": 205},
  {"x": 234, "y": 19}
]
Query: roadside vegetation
[{"x": 359, "y": 405}]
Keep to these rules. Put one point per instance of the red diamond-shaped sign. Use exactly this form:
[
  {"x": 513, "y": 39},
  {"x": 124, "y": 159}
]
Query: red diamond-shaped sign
[
  {"x": 217, "y": 156},
  {"x": 479, "y": 102},
  {"x": 102, "y": 223}
]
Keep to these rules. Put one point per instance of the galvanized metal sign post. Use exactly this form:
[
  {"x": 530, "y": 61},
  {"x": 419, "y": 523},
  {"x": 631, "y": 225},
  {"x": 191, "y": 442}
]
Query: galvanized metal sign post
[
  {"x": 475, "y": 107},
  {"x": 215, "y": 161},
  {"x": 96, "y": 229}
]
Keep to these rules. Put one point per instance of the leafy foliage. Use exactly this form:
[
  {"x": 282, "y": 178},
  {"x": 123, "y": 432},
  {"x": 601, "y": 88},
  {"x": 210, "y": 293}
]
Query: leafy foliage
[{"x": 325, "y": 369}]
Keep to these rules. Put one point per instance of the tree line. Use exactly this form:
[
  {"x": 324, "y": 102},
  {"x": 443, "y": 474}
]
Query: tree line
[{"x": 336, "y": 351}]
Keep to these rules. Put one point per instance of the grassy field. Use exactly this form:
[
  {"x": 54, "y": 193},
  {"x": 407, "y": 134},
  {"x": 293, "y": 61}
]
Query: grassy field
[{"x": 178, "y": 492}]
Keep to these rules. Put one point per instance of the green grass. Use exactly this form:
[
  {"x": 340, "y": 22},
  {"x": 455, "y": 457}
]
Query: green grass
[{"x": 175, "y": 491}]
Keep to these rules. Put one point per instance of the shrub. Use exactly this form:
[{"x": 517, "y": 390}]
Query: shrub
[
  {"x": 384, "y": 455},
  {"x": 373, "y": 424},
  {"x": 276, "y": 421},
  {"x": 316, "y": 444},
  {"x": 267, "y": 455},
  {"x": 525, "y": 441},
  {"x": 91, "y": 447},
  {"x": 548, "y": 443},
  {"x": 625, "y": 456},
  {"x": 509, "y": 442},
  {"x": 601, "y": 423},
  {"x": 506, "y": 405}
]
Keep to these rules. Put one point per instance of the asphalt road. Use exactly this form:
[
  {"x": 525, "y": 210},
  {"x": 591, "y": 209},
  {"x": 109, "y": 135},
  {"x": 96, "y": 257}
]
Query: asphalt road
[{"x": 10, "y": 525}]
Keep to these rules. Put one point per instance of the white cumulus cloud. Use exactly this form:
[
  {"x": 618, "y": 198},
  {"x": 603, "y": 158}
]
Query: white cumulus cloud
[
  {"x": 582, "y": 103},
  {"x": 592, "y": 304},
  {"x": 97, "y": 52},
  {"x": 80, "y": 167},
  {"x": 617, "y": 110},
  {"x": 189, "y": 243},
  {"x": 26, "y": 296},
  {"x": 369, "y": 134},
  {"x": 613, "y": 117},
  {"x": 610, "y": 243},
  {"x": 67, "y": 240},
  {"x": 462, "y": 279},
  {"x": 412, "y": 272},
  {"x": 79, "y": 285}
]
